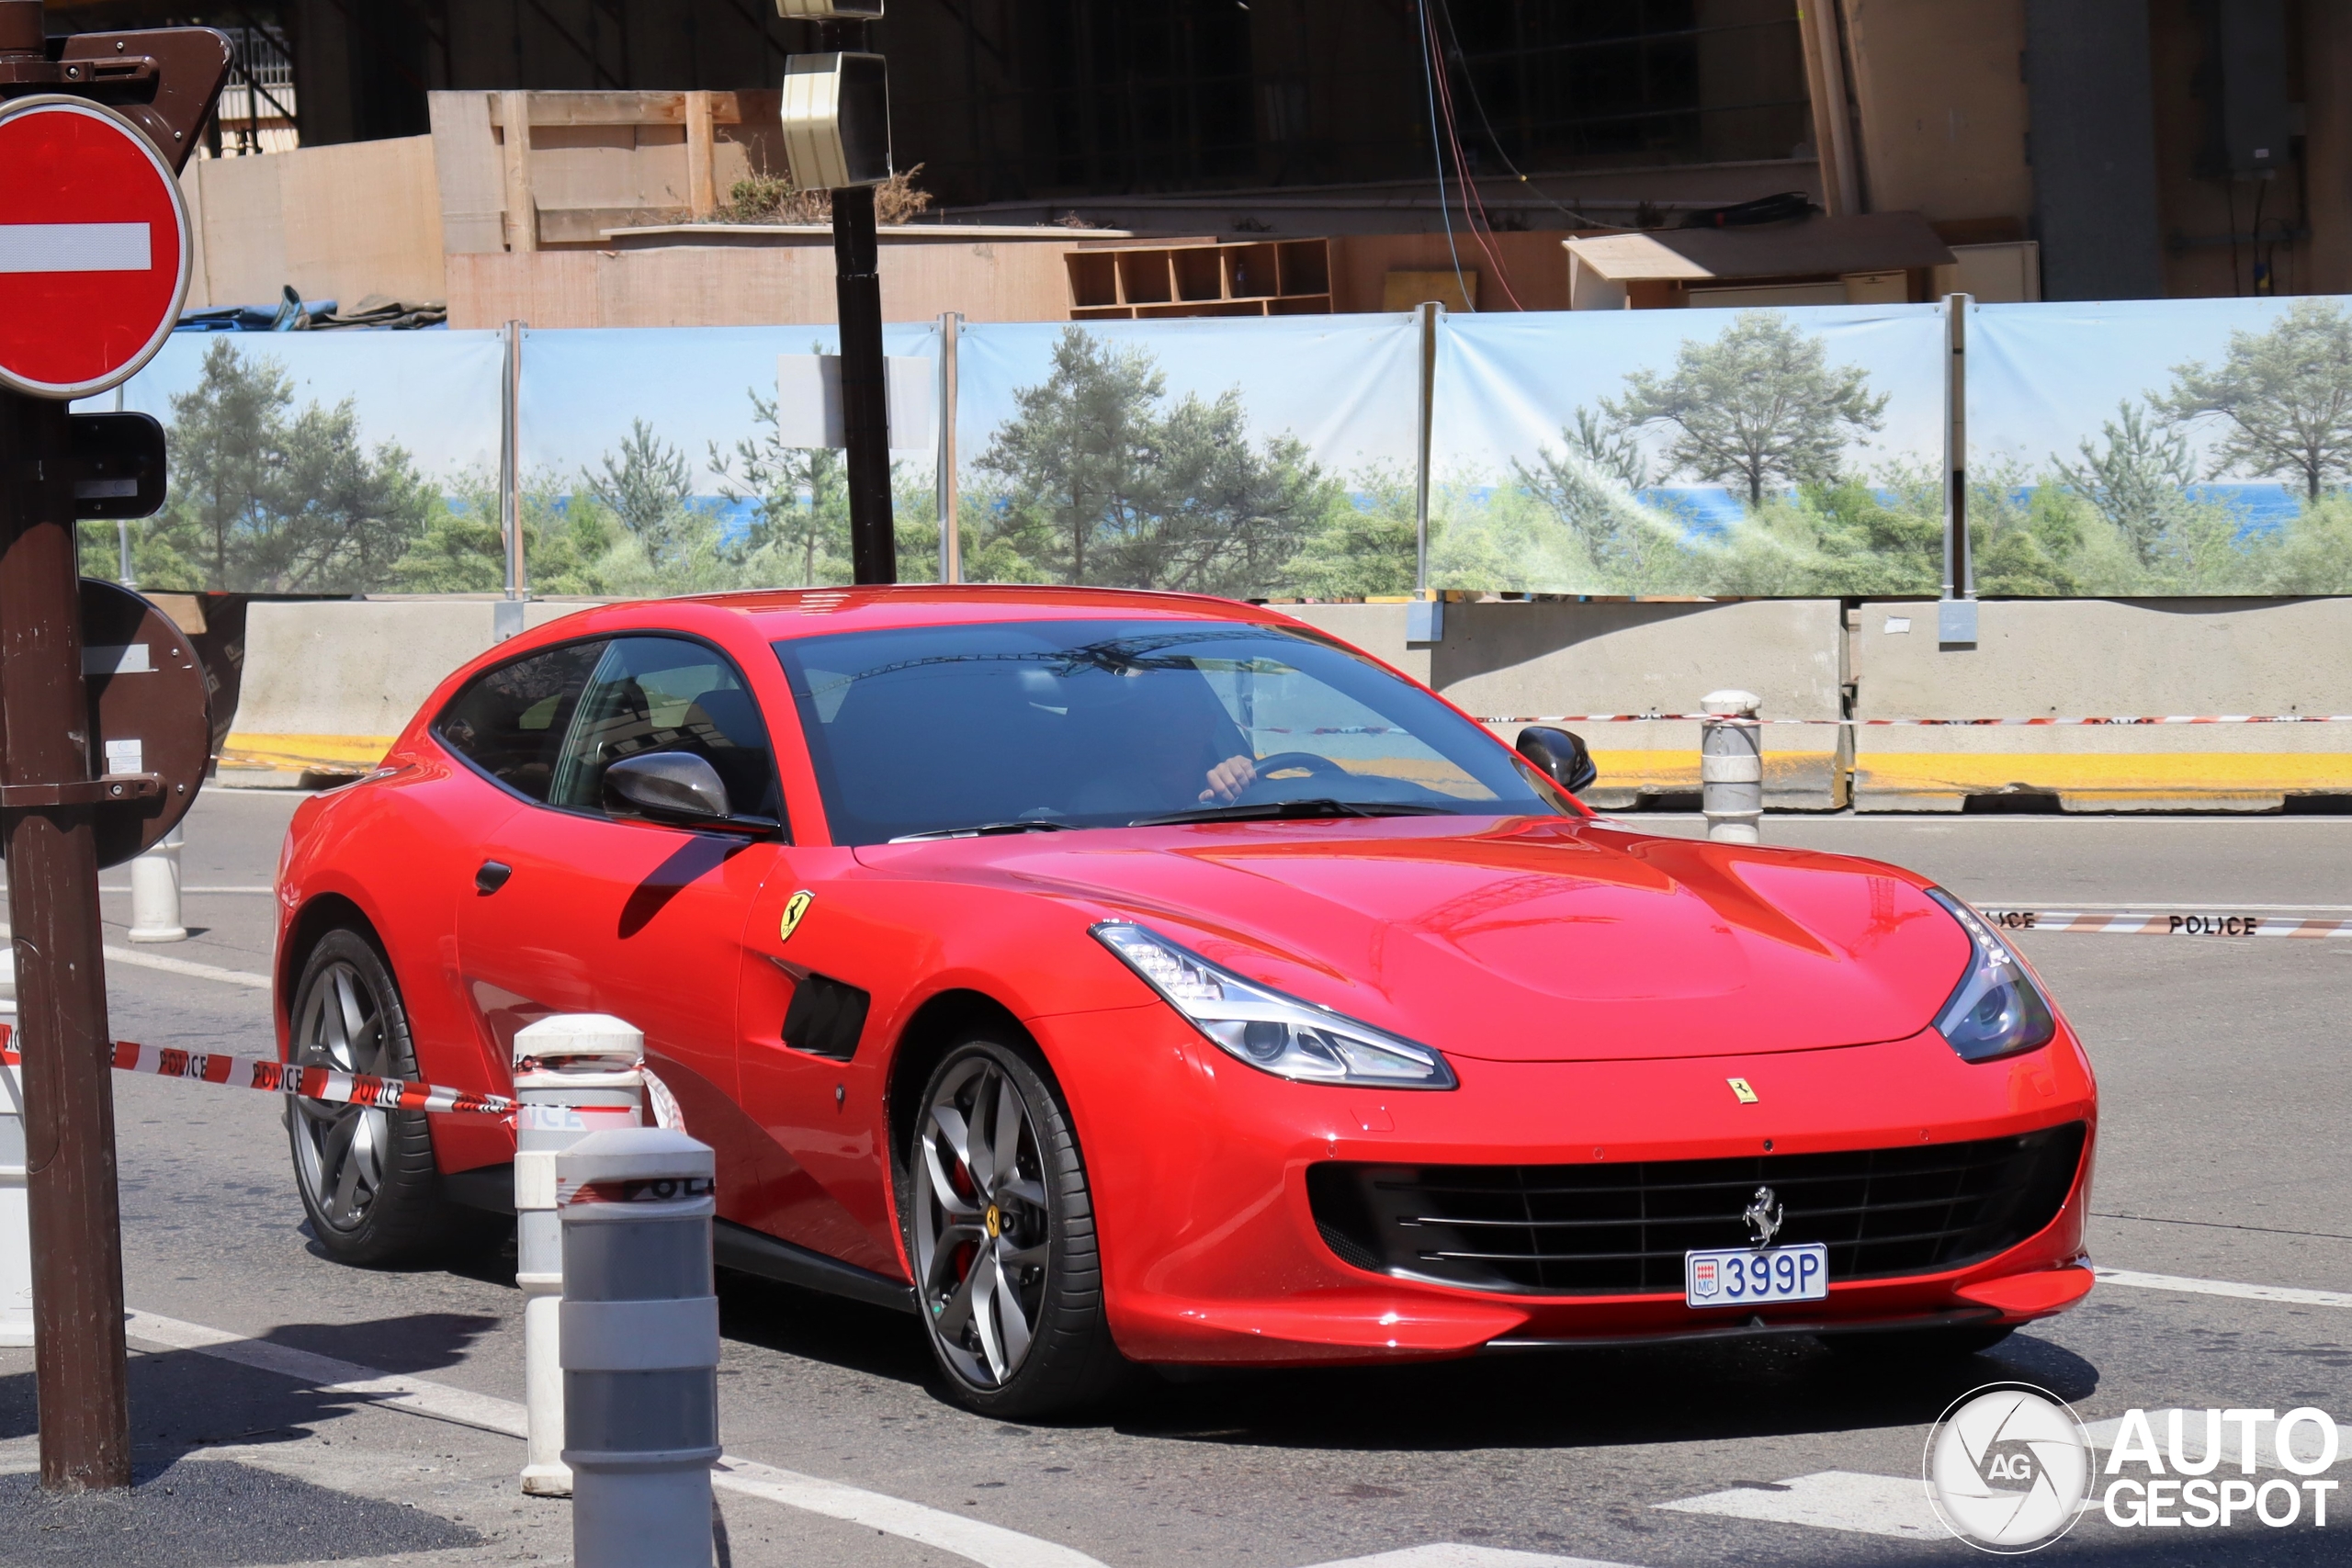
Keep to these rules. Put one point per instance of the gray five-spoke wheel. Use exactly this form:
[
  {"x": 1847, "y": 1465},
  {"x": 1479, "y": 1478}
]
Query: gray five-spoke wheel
[
  {"x": 340, "y": 1150},
  {"x": 981, "y": 1220}
]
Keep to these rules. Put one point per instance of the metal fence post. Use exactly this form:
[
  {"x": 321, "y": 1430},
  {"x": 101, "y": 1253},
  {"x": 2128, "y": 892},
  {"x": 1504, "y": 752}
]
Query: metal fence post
[
  {"x": 640, "y": 1347},
  {"x": 1425, "y": 414},
  {"x": 575, "y": 1073},
  {"x": 1731, "y": 767},
  {"x": 510, "y": 462},
  {"x": 951, "y": 541},
  {"x": 1956, "y": 613},
  {"x": 155, "y": 892}
]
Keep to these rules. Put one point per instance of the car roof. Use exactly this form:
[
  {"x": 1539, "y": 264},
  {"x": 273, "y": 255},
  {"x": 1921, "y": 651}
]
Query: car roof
[{"x": 815, "y": 611}]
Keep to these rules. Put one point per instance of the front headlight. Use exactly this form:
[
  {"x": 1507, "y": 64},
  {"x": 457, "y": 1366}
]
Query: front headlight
[
  {"x": 1996, "y": 1009},
  {"x": 1275, "y": 1034}
]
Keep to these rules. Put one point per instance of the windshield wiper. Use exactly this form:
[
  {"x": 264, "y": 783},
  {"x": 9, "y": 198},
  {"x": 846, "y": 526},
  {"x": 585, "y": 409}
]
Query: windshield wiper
[
  {"x": 1281, "y": 810},
  {"x": 984, "y": 830}
]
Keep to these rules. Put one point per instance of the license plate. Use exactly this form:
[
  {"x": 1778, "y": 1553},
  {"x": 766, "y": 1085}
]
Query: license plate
[{"x": 1746, "y": 1276}]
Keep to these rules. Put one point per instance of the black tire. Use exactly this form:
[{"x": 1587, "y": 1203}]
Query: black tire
[
  {"x": 970, "y": 1226},
  {"x": 1916, "y": 1347},
  {"x": 365, "y": 1176}
]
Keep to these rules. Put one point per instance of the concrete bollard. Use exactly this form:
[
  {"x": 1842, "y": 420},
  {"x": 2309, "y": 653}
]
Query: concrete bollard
[
  {"x": 16, "y": 1228},
  {"x": 1731, "y": 767},
  {"x": 640, "y": 1347},
  {"x": 155, "y": 892},
  {"x": 574, "y": 1074}
]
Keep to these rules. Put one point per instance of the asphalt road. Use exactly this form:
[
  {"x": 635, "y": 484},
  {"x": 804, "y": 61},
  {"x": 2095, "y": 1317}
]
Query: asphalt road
[{"x": 2225, "y": 1069}]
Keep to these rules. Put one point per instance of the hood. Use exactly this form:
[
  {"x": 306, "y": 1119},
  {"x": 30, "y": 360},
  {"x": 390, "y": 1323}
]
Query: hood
[{"x": 1518, "y": 940}]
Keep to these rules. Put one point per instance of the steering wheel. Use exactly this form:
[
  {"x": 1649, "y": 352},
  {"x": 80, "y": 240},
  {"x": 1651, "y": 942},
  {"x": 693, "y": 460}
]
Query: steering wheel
[{"x": 1315, "y": 765}]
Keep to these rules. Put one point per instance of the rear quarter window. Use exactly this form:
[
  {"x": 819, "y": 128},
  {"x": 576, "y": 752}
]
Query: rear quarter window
[{"x": 510, "y": 720}]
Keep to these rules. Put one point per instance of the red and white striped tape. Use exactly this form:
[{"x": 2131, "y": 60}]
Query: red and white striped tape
[
  {"x": 1930, "y": 723},
  {"x": 277, "y": 1077},
  {"x": 2163, "y": 923}
]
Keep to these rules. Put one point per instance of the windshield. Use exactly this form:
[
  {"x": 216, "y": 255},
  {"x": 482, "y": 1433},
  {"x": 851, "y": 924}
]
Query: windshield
[{"x": 1011, "y": 726}]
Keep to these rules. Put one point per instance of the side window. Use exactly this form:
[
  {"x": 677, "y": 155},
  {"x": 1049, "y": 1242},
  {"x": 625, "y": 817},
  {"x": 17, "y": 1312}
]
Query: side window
[
  {"x": 510, "y": 721},
  {"x": 657, "y": 694}
]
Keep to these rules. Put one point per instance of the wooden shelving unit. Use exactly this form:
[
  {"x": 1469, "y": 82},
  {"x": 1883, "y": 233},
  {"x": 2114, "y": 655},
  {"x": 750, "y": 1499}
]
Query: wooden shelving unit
[{"x": 1253, "y": 278}]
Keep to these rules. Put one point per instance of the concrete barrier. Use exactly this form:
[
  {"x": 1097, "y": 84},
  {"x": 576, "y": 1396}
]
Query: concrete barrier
[
  {"x": 328, "y": 683},
  {"x": 2105, "y": 657},
  {"x": 1538, "y": 657}
]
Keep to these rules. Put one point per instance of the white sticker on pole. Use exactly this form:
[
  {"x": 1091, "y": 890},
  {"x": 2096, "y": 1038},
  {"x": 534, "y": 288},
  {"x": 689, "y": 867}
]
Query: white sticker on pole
[{"x": 809, "y": 401}]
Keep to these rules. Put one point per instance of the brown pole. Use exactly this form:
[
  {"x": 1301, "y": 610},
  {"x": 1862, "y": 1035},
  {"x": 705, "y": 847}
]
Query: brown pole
[{"x": 61, "y": 975}]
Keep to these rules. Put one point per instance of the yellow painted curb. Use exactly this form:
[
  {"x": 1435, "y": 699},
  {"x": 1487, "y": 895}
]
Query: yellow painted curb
[
  {"x": 303, "y": 751},
  {"x": 2122, "y": 776}
]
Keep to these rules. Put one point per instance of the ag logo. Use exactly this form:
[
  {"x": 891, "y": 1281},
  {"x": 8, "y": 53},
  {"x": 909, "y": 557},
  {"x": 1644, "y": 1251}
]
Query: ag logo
[
  {"x": 2008, "y": 1468},
  {"x": 793, "y": 908}
]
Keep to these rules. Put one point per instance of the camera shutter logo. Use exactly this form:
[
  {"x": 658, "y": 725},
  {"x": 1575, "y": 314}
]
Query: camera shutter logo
[{"x": 2008, "y": 1468}]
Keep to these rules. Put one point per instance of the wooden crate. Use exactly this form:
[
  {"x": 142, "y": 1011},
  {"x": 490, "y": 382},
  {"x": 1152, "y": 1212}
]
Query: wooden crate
[{"x": 1248, "y": 277}]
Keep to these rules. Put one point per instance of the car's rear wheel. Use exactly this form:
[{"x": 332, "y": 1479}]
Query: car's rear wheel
[
  {"x": 366, "y": 1175},
  {"x": 1001, "y": 1230}
]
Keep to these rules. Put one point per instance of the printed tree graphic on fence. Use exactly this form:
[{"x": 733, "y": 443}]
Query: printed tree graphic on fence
[
  {"x": 2285, "y": 396},
  {"x": 1758, "y": 407}
]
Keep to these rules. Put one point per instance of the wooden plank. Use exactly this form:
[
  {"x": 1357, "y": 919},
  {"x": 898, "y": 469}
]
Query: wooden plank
[
  {"x": 472, "y": 185},
  {"x": 361, "y": 218},
  {"x": 618, "y": 109},
  {"x": 702, "y": 192},
  {"x": 244, "y": 230},
  {"x": 586, "y": 225},
  {"x": 522, "y": 207}
]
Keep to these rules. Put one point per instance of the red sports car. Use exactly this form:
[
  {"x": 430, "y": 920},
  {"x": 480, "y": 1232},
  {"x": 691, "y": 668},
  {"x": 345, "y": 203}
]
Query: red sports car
[{"x": 1115, "y": 977}]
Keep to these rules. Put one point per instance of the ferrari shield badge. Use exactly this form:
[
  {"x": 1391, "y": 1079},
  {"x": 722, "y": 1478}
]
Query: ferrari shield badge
[
  {"x": 793, "y": 908},
  {"x": 1741, "y": 1089}
]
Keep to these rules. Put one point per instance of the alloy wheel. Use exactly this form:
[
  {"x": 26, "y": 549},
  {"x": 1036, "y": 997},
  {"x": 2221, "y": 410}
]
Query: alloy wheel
[
  {"x": 981, "y": 1220},
  {"x": 340, "y": 1149}
]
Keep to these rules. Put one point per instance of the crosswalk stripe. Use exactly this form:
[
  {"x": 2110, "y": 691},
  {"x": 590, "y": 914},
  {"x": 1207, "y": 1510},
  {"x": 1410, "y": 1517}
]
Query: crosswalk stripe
[
  {"x": 1450, "y": 1554},
  {"x": 1832, "y": 1499},
  {"x": 2290, "y": 1294}
]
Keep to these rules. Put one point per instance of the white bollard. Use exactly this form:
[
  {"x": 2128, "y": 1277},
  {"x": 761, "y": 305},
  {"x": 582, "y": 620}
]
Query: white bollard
[
  {"x": 155, "y": 892},
  {"x": 574, "y": 1074},
  {"x": 16, "y": 1229},
  {"x": 1731, "y": 767},
  {"x": 640, "y": 1347}
]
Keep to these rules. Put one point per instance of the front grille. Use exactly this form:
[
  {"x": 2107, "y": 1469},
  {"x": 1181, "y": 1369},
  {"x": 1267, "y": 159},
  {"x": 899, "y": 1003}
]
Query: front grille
[{"x": 1623, "y": 1229}]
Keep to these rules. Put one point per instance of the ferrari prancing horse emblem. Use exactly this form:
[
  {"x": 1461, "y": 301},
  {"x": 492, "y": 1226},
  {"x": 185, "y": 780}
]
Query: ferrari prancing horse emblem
[
  {"x": 793, "y": 908},
  {"x": 1740, "y": 1088}
]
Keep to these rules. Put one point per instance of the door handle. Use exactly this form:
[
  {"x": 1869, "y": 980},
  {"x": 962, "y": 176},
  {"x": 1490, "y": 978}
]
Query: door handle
[{"x": 491, "y": 875}]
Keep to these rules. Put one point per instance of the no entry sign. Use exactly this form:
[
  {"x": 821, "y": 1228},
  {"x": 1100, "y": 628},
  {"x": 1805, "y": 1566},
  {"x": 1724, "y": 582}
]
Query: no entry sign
[{"x": 93, "y": 248}]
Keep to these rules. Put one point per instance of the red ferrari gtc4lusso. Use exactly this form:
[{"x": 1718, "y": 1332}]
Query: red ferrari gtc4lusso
[{"x": 1113, "y": 978}]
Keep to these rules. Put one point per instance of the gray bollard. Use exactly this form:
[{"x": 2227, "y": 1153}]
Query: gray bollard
[
  {"x": 1731, "y": 767},
  {"x": 640, "y": 1347},
  {"x": 574, "y": 1074}
]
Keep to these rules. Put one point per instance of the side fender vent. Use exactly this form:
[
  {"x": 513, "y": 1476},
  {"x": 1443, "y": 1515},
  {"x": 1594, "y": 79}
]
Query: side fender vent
[{"x": 826, "y": 1017}]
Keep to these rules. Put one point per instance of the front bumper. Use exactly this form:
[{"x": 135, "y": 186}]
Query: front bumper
[{"x": 1210, "y": 1252}]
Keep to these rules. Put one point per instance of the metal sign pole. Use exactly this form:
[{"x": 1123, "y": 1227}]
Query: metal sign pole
[
  {"x": 951, "y": 539},
  {"x": 865, "y": 392},
  {"x": 60, "y": 972}
]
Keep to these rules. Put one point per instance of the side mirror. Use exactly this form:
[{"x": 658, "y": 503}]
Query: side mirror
[
  {"x": 1561, "y": 755},
  {"x": 669, "y": 786}
]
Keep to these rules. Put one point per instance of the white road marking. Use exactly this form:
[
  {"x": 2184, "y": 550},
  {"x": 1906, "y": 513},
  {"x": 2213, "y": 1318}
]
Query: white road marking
[
  {"x": 175, "y": 966},
  {"x": 1448, "y": 1554},
  {"x": 186, "y": 966},
  {"x": 258, "y": 888},
  {"x": 76, "y": 247},
  {"x": 993, "y": 1546},
  {"x": 2288, "y": 1294},
  {"x": 1833, "y": 1499}
]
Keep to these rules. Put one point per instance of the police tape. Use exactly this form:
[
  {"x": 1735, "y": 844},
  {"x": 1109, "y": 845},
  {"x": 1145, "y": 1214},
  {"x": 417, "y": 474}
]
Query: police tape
[
  {"x": 329, "y": 1084},
  {"x": 1925, "y": 722},
  {"x": 2162, "y": 924}
]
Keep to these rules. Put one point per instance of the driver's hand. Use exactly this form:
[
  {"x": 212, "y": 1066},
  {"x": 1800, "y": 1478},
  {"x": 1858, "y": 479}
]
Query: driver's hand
[{"x": 1230, "y": 778}]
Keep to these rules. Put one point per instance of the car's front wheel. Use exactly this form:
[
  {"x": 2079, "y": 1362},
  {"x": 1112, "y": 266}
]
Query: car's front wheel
[
  {"x": 366, "y": 1175},
  {"x": 1001, "y": 1230}
]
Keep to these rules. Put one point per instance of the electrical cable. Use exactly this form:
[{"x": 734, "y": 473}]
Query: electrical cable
[
  {"x": 1462, "y": 168},
  {"x": 1496, "y": 140},
  {"x": 1445, "y": 213}
]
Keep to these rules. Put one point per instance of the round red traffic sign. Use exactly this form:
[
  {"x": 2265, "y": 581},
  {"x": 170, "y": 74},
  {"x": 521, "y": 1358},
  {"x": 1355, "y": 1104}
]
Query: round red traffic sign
[{"x": 94, "y": 247}]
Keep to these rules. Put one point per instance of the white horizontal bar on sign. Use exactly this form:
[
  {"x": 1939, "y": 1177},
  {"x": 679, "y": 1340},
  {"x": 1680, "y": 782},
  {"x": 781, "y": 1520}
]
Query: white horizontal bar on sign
[
  {"x": 76, "y": 247},
  {"x": 809, "y": 412}
]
